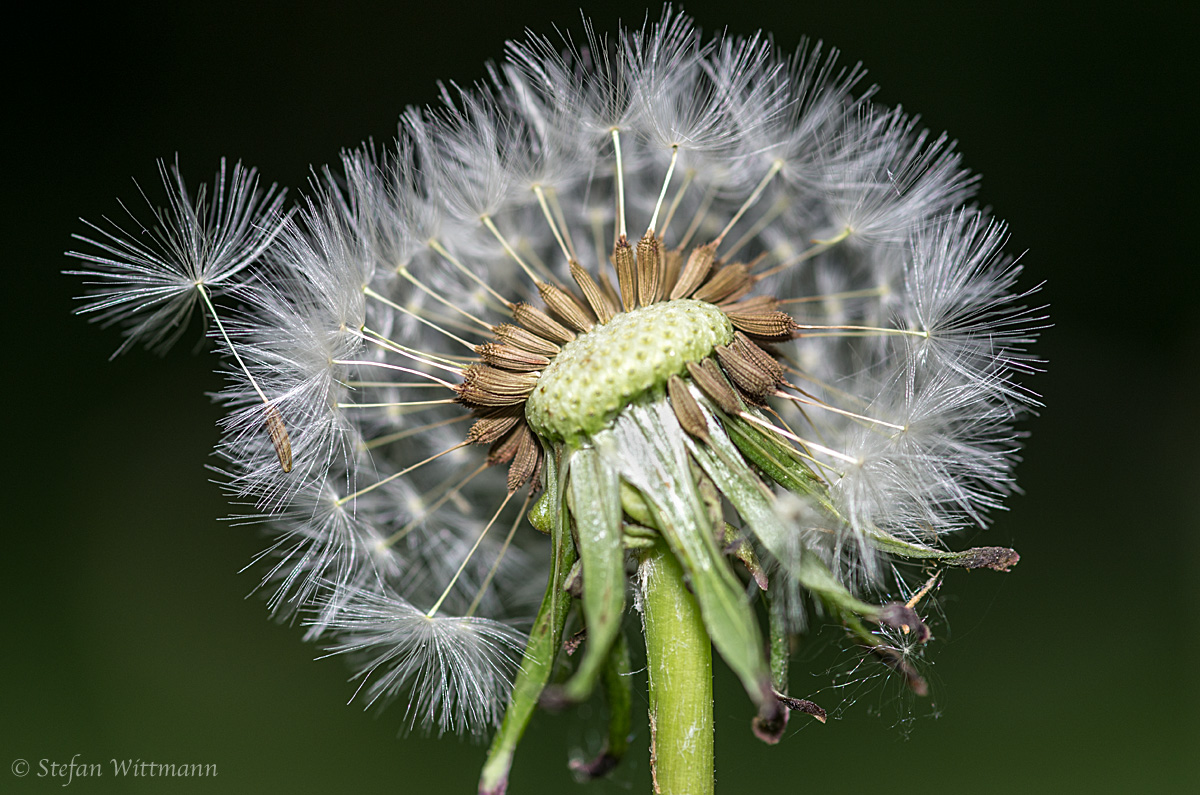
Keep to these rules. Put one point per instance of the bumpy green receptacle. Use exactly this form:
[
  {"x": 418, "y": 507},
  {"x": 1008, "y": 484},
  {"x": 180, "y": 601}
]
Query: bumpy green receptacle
[{"x": 599, "y": 373}]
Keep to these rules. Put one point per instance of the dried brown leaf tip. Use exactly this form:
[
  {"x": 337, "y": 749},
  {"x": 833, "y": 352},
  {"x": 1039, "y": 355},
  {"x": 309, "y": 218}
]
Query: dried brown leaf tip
[
  {"x": 597, "y": 767},
  {"x": 802, "y": 705},
  {"x": 994, "y": 558},
  {"x": 770, "y": 729}
]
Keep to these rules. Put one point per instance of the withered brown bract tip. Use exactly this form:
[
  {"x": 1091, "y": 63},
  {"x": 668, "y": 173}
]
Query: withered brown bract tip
[
  {"x": 994, "y": 558},
  {"x": 905, "y": 618},
  {"x": 598, "y": 767},
  {"x": 802, "y": 705}
]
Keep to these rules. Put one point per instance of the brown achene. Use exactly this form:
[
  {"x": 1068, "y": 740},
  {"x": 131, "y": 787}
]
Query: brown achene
[{"x": 496, "y": 388}]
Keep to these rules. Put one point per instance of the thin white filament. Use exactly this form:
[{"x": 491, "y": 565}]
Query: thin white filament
[
  {"x": 541, "y": 197},
  {"x": 487, "y": 581},
  {"x": 398, "y": 368},
  {"x": 709, "y": 197},
  {"x": 437, "y": 246},
  {"x": 491, "y": 226},
  {"x": 417, "y": 356},
  {"x": 380, "y": 441},
  {"x": 562, "y": 220},
  {"x": 416, "y": 520},
  {"x": 818, "y": 247},
  {"x": 221, "y": 327},
  {"x": 616, "y": 137},
  {"x": 662, "y": 194},
  {"x": 433, "y": 610},
  {"x": 751, "y": 200},
  {"x": 404, "y": 272},
  {"x": 405, "y": 471},
  {"x": 820, "y": 448},
  {"x": 835, "y": 410},
  {"x": 774, "y": 212},
  {"x": 372, "y": 294},
  {"x": 688, "y": 176}
]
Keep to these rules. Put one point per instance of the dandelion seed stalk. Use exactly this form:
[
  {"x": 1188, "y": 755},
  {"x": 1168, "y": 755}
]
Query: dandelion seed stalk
[{"x": 679, "y": 667}]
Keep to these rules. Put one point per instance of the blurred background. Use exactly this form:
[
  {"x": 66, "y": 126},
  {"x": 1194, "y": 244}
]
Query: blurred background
[{"x": 129, "y": 632}]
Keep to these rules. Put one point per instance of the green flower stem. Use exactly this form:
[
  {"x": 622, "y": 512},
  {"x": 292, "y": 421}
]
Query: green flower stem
[
  {"x": 679, "y": 662},
  {"x": 780, "y": 646},
  {"x": 545, "y": 639}
]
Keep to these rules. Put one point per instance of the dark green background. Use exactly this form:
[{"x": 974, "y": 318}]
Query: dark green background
[{"x": 126, "y": 632}]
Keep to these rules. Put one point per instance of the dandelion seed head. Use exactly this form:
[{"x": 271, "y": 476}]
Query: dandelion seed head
[{"x": 687, "y": 288}]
